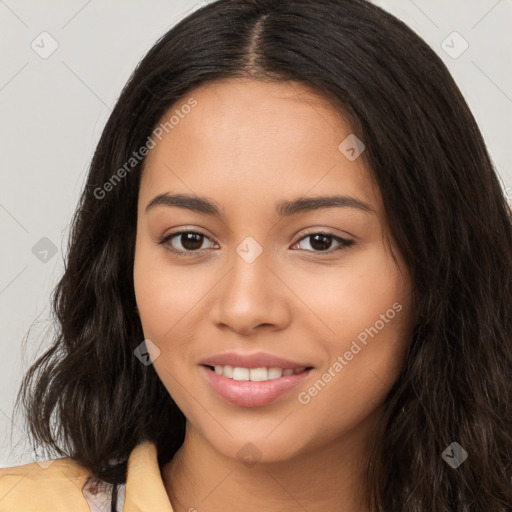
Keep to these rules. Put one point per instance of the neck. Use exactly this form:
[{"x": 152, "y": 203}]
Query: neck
[{"x": 325, "y": 477}]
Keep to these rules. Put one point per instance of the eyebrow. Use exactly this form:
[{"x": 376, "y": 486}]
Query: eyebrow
[{"x": 284, "y": 208}]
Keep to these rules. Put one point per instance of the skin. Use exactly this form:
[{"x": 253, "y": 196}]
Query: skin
[{"x": 247, "y": 145}]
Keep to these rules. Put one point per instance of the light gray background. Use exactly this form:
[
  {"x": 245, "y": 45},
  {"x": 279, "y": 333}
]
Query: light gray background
[{"x": 52, "y": 111}]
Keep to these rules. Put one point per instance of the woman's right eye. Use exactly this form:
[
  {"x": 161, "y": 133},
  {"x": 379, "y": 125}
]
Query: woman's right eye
[{"x": 189, "y": 242}]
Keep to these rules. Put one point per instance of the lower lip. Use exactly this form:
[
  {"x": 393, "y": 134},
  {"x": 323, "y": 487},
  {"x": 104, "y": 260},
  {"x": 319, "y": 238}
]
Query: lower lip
[{"x": 252, "y": 394}]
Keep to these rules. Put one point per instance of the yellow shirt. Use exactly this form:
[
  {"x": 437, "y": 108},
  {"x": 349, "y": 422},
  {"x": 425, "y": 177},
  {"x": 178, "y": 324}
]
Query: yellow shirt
[{"x": 65, "y": 486}]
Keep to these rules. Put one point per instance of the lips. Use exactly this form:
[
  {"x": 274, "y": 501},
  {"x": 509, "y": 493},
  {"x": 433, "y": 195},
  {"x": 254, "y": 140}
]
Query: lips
[
  {"x": 256, "y": 360},
  {"x": 249, "y": 393}
]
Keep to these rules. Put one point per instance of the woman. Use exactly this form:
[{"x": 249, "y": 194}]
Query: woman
[{"x": 289, "y": 282}]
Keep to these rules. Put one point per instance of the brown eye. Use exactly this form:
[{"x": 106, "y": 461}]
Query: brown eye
[
  {"x": 191, "y": 241},
  {"x": 321, "y": 242},
  {"x": 185, "y": 242}
]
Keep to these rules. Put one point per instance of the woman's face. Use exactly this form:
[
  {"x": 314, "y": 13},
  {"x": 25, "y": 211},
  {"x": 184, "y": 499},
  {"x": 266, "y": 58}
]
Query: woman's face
[{"x": 261, "y": 278}]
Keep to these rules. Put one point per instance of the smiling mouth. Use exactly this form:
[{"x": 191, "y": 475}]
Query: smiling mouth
[{"x": 261, "y": 374}]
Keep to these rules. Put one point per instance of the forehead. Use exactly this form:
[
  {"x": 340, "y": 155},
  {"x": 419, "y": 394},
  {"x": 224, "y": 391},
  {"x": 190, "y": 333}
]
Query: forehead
[{"x": 254, "y": 139}]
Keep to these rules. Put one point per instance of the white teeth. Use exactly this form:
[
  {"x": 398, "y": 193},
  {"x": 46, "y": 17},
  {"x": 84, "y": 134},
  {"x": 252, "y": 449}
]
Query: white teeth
[
  {"x": 240, "y": 373},
  {"x": 254, "y": 374},
  {"x": 275, "y": 373},
  {"x": 258, "y": 374}
]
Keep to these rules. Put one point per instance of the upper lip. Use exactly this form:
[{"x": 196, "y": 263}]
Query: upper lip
[{"x": 256, "y": 360}]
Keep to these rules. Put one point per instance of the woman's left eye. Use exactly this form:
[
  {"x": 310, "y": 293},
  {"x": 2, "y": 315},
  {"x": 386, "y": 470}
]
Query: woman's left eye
[
  {"x": 191, "y": 242},
  {"x": 320, "y": 242}
]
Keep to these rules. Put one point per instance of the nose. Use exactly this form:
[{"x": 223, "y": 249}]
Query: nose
[{"x": 251, "y": 297}]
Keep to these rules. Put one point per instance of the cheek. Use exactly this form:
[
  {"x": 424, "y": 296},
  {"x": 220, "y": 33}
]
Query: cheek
[
  {"x": 165, "y": 293},
  {"x": 365, "y": 311},
  {"x": 349, "y": 298},
  {"x": 164, "y": 301},
  {"x": 358, "y": 375}
]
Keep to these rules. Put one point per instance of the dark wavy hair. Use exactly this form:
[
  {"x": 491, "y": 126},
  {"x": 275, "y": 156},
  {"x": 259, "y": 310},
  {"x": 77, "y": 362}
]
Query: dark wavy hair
[{"x": 89, "y": 398}]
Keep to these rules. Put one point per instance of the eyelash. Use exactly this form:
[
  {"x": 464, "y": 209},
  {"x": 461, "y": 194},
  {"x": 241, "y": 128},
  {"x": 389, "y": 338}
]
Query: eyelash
[{"x": 345, "y": 243}]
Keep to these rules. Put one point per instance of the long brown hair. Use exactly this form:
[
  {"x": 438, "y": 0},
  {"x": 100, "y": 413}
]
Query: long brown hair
[{"x": 88, "y": 397}]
